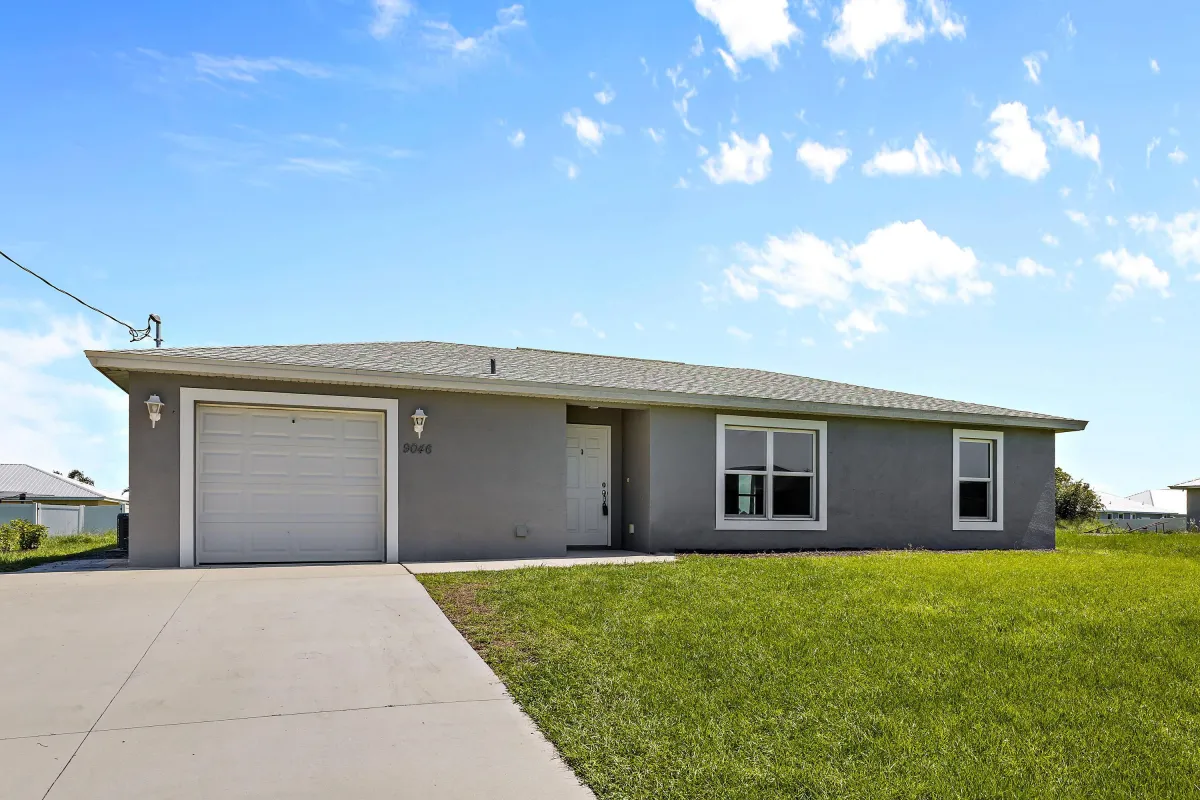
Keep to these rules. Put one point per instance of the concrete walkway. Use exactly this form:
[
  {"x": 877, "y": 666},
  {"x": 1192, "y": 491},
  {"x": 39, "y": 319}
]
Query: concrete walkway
[
  {"x": 577, "y": 558},
  {"x": 280, "y": 682}
]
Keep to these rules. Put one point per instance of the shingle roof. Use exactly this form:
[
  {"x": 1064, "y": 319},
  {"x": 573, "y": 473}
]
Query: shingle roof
[
  {"x": 18, "y": 479},
  {"x": 550, "y": 368}
]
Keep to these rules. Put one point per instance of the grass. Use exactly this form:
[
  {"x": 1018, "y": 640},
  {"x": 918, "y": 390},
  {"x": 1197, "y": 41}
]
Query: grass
[
  {"x": 57, "y": 548},
  {"x": 1069, "y": 674}
]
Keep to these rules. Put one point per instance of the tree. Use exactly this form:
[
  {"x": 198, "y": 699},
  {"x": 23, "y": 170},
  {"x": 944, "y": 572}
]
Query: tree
[
  {"x": 77, "y": 475},
  {"x": 1074, "y": 499}
]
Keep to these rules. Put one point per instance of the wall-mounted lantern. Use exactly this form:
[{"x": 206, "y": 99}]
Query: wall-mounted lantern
[
  {"x": 418, "y": 419},
  {"x": 155, "y": 406}
]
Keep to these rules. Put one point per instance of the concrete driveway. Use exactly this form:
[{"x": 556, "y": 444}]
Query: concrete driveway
[{"x": 288, "y": 682}]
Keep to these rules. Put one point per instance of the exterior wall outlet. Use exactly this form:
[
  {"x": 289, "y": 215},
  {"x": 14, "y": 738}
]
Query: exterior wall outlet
[
  {"x": 631, "y": 528},
  {"x": 521, "y": 531}
]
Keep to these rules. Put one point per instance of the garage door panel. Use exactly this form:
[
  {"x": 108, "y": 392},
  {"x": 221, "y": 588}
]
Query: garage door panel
[
  {"x": 273, "y": 490},
  {"x": 363, "y": 431}
]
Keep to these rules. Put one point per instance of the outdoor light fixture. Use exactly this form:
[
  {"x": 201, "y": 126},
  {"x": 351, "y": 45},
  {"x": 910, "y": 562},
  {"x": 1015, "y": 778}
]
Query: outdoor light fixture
[
  {"x": 418, "y": 419},
  {"x": 154, "y": 405}
]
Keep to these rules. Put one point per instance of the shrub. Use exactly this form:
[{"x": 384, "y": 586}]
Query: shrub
[
  {"x": 21, "y": 534},
  {"x": 1074, "y": 499}
]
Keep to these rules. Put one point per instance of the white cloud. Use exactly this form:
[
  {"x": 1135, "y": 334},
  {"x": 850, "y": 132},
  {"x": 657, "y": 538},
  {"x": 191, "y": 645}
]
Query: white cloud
[
  {"x": 1133, "y": 272},
  {"x": 588, "y": 131},
  {"x": 730, "y": 63},
  {"x": 752, "y": 28},
  {"x": 1111, "y": 221},
  {"x": 922, "y": 159},
  {"x": 1026, "y": 268},
  {"x": 248, "y": 70},
  {"x": 681, "y": 104},
  {"x": 1033, "y": 66},
  {"x": 444, "y": 37},
  {"x": 1068, "y": 26},
  {"x": 1182, "y": 233},
  {"x": 1177, "y": 156},
  {"x": 578, "y": 320},
  {"x": 517, "y": 139},
  {"x": 1016, "y": 146},
  {"x": 605, "y": 95},
  {"x": 740, "y": 161},
  {"x": 894, "y": 269},
  {"x": 56, "y": 412},
  {"x": 388, "y": 14},
  {"x": 1050, "y": 240},
  {"x": 697, "y": 48},
  {"x": 739, "y": 334},
  {"x": 567, "y": 167},
  {"x": 1078, "y": 217},
  {"x": 1072, "y": 135},
  {"x": 1064, "y": 192},
  {"x": 1154, "y": 66},
  {"x": 682, "y": 183},
  {"x": 823, "y": 162},
  {"x": 324, "y": 166},
  {"x": 637, "y": 326},
  {"x": 1150, "y": 148},
  {"x": 864, "y": 26}
]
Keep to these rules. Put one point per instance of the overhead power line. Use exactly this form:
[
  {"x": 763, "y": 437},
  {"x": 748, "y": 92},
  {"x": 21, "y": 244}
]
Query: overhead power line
[{"x": 136, "y": 334}]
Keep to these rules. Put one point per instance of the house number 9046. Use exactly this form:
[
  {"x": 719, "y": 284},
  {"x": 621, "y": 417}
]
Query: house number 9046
[{"x": 419, "y": 449}]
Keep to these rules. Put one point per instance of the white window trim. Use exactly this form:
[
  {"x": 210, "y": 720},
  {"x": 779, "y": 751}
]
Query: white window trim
[
  {"x": 188, "y": 398},
  {"x": 997, "y": 524},
  {"x": 821, "y": 522}
]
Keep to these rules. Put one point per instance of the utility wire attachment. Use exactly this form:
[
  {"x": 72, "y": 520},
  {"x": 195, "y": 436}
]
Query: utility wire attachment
[{"x": 136, "y": 334}]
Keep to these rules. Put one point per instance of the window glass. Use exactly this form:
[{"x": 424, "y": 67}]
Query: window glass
[
  {"x": 974, "y": 459},
  {"x": 973, "y": 499},
  {"x": 793, "y": 452},
  {"x": 792, "y": 496},
  {"x": 745, "y": 495},
  {"x": 745, "y": 450}
]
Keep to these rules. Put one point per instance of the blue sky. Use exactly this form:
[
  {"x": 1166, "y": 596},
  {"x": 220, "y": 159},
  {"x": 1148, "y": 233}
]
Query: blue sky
[{"x": 988, "y": 202}]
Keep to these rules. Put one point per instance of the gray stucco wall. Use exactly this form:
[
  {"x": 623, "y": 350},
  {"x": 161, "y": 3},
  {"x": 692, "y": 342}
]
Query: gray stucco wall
[
  {"x": 1193, "y": 505},
  {"x": 890, "y": 485},
  {"x": 636, "y": 469},
  {"x": 497, "y": 462},
  {"x": 581, "y": 415}
]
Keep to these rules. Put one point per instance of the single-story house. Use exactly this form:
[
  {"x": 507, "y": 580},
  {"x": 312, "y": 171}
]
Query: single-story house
[
  {"x": 404, "y": 451},
  {"x": 1127, "y": 513},
  {"x": 21, "y": 483},
  {"x": 1173, "y": 501},
  {"x": 1192, "y": 488}
]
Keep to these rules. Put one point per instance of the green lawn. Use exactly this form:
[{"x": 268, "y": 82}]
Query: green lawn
[
  {"x": 918, "y": 675},
  {"x": 56, "y": 548}
]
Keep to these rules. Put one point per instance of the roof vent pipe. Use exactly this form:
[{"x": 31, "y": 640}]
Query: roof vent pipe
[{"x": 493, "y": 366}]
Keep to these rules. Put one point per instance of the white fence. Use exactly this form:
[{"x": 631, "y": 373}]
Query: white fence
[{"x": 63, "y": 520}]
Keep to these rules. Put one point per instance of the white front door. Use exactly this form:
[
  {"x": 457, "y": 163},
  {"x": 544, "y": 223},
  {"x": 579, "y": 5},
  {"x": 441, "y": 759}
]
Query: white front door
[{"x": 588, "y": 485}]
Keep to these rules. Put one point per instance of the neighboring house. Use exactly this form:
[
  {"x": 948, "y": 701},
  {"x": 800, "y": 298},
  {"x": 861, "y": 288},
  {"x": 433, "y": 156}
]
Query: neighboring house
[
  {"x": 21, "y": 483},
  {"x": 1129, "y": 513},
  {"x": 423, "y": 450},
  {"x": 1192, "y": 488},
  {"x": 1173, "y": 501}
]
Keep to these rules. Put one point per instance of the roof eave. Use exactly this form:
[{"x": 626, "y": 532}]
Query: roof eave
[{"x": 117, "y": 366}]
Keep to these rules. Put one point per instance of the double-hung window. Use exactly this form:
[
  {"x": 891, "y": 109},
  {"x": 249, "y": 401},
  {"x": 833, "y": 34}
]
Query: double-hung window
[
  {"x": 770, "y": 474},
  {"x": 978, "y": 480}
]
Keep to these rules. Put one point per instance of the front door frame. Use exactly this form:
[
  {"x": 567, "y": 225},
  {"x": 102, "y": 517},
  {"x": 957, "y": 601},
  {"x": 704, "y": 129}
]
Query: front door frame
[
  {"x": 189, "y": 397},
  {"x": 607, "y": 478}
]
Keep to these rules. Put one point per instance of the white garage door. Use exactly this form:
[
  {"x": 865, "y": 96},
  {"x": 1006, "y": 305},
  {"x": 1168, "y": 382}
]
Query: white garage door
[{"x": 288, "y": 485}]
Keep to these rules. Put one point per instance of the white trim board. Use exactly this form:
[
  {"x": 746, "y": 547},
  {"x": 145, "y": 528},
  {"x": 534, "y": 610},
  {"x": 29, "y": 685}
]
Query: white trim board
[
  {"x": 189, "y": 397},
  {"x": 821, "y": 523},
  {"x": 998, "y": 479}
]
